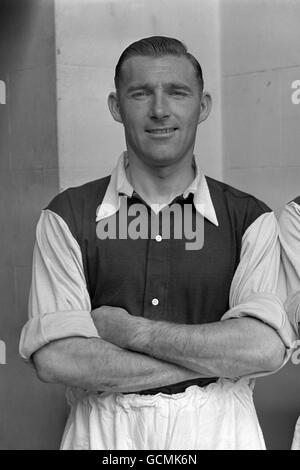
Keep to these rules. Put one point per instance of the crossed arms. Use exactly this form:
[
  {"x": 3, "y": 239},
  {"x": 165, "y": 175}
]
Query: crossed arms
[
  {"x": 153, "y": 354},
  {"x": 134, "y": 353}
]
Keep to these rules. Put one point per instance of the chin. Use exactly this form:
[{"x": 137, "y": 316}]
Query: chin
[
  {"x": 161, "y": 160},
  {"x": 161, "y": 157}
]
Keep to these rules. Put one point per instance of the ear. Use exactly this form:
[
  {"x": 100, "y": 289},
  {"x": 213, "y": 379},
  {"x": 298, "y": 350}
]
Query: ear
[
  {"x": 205, "y": 107},
  {"x": 114, "y": 106}
]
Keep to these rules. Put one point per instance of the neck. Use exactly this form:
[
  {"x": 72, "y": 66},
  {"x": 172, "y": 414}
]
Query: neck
[{"x": 159, "y": 185}]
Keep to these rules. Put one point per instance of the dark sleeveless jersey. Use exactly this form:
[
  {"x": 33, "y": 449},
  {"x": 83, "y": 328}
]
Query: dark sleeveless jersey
[
  {"x": 189, "y": 286},
  {"x": 297, "y": 200}
]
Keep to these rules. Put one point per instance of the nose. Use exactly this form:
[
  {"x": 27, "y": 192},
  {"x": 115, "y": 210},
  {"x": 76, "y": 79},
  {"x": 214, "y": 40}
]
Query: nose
[{"x": 160, "y": 107}]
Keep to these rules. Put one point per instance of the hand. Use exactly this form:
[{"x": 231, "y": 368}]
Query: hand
[{"x": 113, "y": 324}]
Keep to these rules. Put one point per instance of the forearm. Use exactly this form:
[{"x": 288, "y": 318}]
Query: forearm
[
  {"x": 229, "y": 348},
  {"x": 95, "y": 364}
]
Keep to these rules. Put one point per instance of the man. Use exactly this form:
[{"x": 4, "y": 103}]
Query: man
[
  {"x": 290, "y": 242},
  {"x": 131, "y": 324}
]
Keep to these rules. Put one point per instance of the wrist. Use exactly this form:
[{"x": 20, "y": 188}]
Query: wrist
[{"x": 140, "y": 333}]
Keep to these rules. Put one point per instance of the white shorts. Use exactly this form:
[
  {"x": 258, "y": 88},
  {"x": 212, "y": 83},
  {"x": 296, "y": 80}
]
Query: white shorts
[
  {"x": 218, "y": 416},
  {"x": 296, "y": 438}
]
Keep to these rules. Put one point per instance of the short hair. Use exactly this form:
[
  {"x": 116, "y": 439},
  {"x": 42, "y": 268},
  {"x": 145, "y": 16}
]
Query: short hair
[{"x": 157, "y": 46}]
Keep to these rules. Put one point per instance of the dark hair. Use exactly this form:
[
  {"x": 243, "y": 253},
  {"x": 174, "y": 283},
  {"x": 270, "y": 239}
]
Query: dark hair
[{"x": 157, "y": 46}]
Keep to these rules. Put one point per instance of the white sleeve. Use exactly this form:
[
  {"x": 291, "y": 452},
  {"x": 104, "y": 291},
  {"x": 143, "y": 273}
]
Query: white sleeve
[
  {"x": 254, "y": 288},
  {"x": 289, "y": 223},
  {"x": 59, "y": 303}
]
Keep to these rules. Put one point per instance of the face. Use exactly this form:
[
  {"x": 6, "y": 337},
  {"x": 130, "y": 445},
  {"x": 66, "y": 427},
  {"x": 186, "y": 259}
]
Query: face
[{"x": 160, "y": 106}]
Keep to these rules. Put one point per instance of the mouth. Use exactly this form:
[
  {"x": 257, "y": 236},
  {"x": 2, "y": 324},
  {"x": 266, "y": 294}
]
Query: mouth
[{"x": 162, "y": 131}]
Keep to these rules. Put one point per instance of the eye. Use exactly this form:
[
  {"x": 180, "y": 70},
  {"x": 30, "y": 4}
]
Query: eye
[
  {"x": 140, "y": 94},
  {"x": 178, "y": 93}
]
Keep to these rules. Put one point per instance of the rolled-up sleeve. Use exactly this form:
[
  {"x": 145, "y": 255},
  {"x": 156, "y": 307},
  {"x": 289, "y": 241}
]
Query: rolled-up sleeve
[
  {"x": 59, "y": 303},
  {"x": 254, "y": 289},
  {"x": 289, "y": 223}
]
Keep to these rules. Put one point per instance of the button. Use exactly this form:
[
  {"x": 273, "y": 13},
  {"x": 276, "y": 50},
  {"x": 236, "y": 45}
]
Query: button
[
  {"x": 155, "y": 301},
  {"x": 158, "y": 238}
]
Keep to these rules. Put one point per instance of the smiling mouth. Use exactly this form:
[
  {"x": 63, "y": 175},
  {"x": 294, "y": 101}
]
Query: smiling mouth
[{"x": 162, "y": 131}]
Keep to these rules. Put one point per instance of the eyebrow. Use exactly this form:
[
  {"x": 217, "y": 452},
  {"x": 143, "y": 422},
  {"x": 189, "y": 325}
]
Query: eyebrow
[
  {"x": 138, "y": 86},
  {"x": 170, "y": 85}
]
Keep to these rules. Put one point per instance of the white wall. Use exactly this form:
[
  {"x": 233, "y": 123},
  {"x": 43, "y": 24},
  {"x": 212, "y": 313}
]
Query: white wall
[
  {"x": 260, "y": 60},
  {"x": 261, "y": 140},
  {"x": 90, "y": 36}
]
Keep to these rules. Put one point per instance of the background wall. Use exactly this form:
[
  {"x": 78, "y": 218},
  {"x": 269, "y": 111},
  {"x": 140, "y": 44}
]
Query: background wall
[
  {"x": 90, "y": 35},
  {"x": 32, "y": 413},
  {"x": 261, "y": 140},
  {"x": 57, "y": 59},
  {"x": 260, "y": 60}
]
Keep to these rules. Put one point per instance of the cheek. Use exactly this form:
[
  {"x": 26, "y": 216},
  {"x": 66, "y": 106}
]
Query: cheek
[
  {"x": 188, "y": 113},
  {"x": 135, "y": 120},
  {"x": 193, "y": 121}
]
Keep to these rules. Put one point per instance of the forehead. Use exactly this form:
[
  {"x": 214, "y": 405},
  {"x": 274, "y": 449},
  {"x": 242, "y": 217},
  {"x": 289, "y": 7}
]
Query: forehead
[{"x": 158, "y": 70}]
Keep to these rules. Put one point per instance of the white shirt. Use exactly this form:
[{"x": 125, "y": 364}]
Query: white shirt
[
  {"x": 59, "y": 303},
  {"x": 289, "y": 223},
  {"x": 290, "y": 240}
]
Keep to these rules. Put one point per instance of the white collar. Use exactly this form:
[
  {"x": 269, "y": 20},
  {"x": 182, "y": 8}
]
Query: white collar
[{"x": 119, "y": 184}]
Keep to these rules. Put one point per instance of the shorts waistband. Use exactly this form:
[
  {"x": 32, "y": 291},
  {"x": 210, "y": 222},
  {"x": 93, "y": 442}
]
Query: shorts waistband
[{"x": 176, "y": 388}]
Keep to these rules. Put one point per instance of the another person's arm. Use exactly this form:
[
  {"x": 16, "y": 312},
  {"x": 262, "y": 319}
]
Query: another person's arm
[
  {"x": 289, "y": 223},
  {"x": 60, "y": 335},
  {"x": 253, "y": 336}
]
